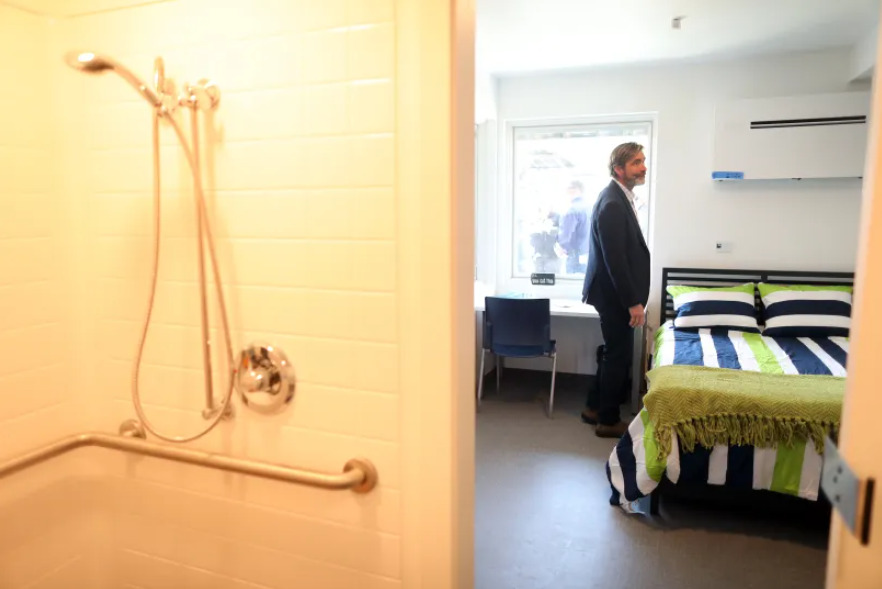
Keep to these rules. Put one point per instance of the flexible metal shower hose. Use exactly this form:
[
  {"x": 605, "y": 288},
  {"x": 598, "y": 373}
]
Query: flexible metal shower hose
[{"x": 203, "y": 222}]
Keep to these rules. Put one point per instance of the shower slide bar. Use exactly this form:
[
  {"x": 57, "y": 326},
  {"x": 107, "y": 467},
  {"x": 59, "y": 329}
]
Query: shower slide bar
[{"x": 358, "y": 474}]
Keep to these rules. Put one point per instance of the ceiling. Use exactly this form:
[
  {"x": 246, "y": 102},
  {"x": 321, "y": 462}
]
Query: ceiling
[{"x": 517, "y": 36}]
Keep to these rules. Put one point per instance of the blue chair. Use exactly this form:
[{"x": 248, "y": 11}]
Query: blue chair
[{"x": 517, "y": 328}]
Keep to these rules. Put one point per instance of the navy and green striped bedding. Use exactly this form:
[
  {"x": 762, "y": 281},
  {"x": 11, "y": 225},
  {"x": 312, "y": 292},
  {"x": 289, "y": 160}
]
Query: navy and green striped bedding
[
  {"x": 739, "y": 350},
  {"x": 634, "y": 469}
]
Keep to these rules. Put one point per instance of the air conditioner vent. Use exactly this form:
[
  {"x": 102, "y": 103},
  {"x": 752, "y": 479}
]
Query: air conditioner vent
[{"x": 817, "y": 122}]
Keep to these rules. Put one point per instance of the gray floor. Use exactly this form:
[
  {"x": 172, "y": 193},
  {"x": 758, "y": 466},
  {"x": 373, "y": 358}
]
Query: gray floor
[{"x": 543, "y": 519}]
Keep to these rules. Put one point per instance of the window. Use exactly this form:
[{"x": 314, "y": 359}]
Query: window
[{"x": 558, "y": 171}]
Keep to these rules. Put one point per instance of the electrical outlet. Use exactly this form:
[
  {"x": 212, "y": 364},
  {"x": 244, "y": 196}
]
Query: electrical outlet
[{"x": 723, "y": 247}]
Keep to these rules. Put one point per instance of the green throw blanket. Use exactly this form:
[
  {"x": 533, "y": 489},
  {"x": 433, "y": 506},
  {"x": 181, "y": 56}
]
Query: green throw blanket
[{"x": 711, "y": 406}]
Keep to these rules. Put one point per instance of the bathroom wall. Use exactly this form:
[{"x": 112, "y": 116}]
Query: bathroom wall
[
  {"x": 45, "y": 514},
  {"x": 34, "y": 330},
  {"x": 300, "y": 170}
]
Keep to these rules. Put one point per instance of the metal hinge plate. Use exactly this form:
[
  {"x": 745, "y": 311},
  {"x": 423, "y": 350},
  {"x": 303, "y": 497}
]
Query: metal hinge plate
[{"x": 849, "y": 495}]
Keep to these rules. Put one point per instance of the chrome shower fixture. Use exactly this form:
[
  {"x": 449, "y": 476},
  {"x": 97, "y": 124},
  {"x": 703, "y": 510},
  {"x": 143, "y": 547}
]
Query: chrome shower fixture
[
  {"x": 95, "y": 64},
  {"x": 204, "y": 95}
]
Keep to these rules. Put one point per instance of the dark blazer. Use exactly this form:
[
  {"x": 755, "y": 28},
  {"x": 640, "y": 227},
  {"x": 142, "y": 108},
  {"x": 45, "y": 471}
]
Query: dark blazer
[{"x": 618, "y": 258}]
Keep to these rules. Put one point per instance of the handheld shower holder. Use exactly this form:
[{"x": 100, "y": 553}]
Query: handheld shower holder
[
  {"x": 203, "y": 95},
  {"x": 165, "y": 87}
]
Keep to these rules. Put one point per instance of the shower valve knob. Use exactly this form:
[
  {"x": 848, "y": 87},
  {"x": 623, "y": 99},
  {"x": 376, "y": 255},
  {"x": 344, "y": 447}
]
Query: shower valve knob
[
  {"x": 264, "y": 378},
  {"x": 204, "y": 95}
]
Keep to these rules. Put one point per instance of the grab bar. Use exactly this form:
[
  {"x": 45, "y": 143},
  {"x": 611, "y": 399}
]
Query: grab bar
[{"x": 358, "y": 474}]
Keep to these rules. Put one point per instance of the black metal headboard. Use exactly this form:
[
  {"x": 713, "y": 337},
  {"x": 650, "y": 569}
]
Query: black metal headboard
[{"x": 714, "y": 277}]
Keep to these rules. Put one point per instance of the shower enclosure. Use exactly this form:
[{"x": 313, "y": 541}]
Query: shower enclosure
[{"x": 262, "y": 371}]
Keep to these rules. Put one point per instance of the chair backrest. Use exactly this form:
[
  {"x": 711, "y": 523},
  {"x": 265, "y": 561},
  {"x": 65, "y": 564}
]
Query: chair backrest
[{"x": 516, "y": 322}]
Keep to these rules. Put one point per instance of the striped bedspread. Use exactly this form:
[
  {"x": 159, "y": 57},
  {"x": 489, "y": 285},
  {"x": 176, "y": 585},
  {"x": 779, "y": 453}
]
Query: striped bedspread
[{"x": 634, "y": 468}]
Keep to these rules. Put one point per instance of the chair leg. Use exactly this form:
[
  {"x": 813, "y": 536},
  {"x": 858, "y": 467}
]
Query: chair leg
[
  {"x": 481, "y": 376},
  {"x": 499, "y": 363},
  {"x": 553, "y": 375}
]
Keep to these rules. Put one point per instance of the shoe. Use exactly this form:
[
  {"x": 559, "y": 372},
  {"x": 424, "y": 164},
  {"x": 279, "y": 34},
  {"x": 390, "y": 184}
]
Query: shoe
[
  {"x": 611, "y": 431},
  {"x": 589, "y": 416}
]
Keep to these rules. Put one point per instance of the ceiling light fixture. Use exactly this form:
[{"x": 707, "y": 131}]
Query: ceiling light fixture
[{"x": 676, "y": 22}]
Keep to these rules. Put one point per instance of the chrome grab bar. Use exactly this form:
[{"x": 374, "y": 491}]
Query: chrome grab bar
[{"x": 358, "y": 474}]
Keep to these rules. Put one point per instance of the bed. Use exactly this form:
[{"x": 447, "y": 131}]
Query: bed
[{"x": 740, "y": 393}]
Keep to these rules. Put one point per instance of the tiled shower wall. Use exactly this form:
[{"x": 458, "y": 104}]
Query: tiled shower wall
[
  {"x": 45, "y": 514},
  {"x": 300, "y": 175}
]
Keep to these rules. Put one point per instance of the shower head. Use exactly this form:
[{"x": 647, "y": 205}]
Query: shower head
[{"x": 93, "y": 63}]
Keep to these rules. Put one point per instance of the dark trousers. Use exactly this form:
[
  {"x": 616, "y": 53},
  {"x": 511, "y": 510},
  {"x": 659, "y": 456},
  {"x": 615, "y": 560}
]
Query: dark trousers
[
  {"x": 618, "y": 340},
  {"x": 573, "y": 265}
]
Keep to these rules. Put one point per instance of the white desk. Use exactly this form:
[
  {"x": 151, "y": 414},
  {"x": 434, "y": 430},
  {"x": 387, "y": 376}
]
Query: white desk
[
  {"x": 578, "y": 309},
  {"x": 559, "y": 307}
]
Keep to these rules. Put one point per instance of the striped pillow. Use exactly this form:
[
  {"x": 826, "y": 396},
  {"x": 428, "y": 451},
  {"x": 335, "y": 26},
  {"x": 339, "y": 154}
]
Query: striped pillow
[
  {"x": 797, "y": 310},
  {"x": 731, "y": 307}
]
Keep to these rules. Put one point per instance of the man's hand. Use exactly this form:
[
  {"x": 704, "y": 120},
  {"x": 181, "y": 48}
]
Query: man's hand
[{"x": 638, "y": 316}]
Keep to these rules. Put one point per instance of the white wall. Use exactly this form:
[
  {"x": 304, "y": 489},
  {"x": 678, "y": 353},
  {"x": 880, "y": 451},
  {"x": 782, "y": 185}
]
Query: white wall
[
  {"x": 486, "y": 89},
  {"x": 773, "y": 225},
  {"x": 863, "y": 56},
  {"x": 45, "y": 515},
  {"x": 300, "y": 176}
]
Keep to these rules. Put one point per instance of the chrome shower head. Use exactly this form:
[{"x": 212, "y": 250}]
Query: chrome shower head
[
  {"x": 88, "y": 62},
  {"x": 94, "y": 64}
]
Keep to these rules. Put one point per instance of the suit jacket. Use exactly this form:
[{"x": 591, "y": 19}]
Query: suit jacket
[{"x": 618, "y": 258}]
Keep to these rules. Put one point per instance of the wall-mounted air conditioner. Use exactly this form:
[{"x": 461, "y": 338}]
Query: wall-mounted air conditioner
[{"x": 815, "y": 136}]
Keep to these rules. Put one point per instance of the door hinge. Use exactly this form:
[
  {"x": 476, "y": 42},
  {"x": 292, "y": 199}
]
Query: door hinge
[{"x": 847, "y": 493}]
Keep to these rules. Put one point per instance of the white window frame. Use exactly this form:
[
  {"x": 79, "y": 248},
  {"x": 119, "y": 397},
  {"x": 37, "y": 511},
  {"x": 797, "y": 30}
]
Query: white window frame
[{"x": 563, "y": 289}]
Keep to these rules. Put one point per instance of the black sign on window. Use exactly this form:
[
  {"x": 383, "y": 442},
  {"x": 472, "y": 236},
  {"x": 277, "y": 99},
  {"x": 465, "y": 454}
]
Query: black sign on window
[{"x": 542, "y": 279}]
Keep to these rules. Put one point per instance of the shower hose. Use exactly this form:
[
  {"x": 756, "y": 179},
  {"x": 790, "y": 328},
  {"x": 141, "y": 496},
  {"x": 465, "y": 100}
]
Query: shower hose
[{"x": 204, "y": 235}]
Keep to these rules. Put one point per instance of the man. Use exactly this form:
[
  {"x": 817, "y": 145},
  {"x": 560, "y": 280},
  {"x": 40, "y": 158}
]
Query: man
[
  {"x": 543, "y": 239},
  {"x": 616, "y": 283},
  {"x": 573, "y": 236}
]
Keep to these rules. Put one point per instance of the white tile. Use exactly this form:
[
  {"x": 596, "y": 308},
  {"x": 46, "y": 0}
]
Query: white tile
[
  {"x": 371, "y": 106},
  {"x": 32, "y": 347},
  {"x": 372, "y": 160},
  {"x": 243, "y": 18},
  {"x": 51, "y": 552},
  {"x": 261, "y": 165},
  {"x": 24, "y": 392},
  {"x": 325, "y": 109},
  {"x": 33, "y": 430},
  {"x": 329, "y": 452},
  {"x": 23, "y": 170},
  {"x": 73, "y": 572},
  {"x": 362, "y": 12},
  {"x": 371, "y": 52},
  {"x": 331, "y": 15},
  {"x": 22, "y": 216},
  {"x": 270, "y": 114},
  {"x": 330, "y": 314},
  {"x": 328, "y": 162},
  {"x": 353, "y": 548},
  {"x": 261, "y": 565},
  {"x": 349, "y": 265},
  {"x": 378, "y": 510},
  {"x": 25, "y": 260},
  {"x": 324, "y": 57},
  {"x": 368, "y": 366}
]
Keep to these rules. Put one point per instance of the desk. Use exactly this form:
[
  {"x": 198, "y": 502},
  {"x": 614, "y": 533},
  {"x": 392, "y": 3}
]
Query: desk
[
  {"x": 559, "y": 307},
  {"x": 577, "y": 309}
]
